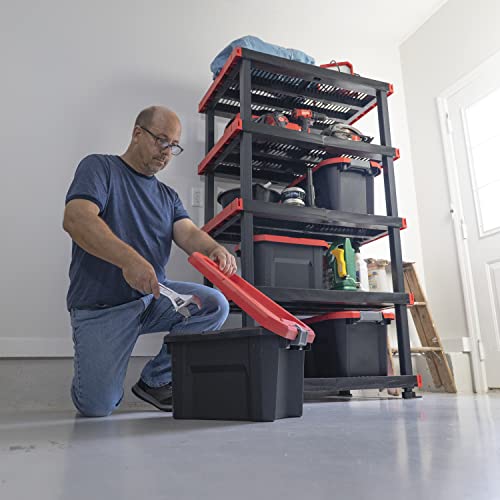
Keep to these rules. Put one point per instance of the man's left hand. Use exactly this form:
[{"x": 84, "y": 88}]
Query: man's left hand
[{"x": 226, "y": 261}]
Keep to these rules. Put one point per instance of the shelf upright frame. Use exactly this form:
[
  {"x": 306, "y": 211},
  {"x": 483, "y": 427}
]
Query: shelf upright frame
[
  {"x": 210, "y": 177},
  {"x": 395, "y": 244},
  {"x": 242, "y": 69},
  {"x": 246, "y": 180}
]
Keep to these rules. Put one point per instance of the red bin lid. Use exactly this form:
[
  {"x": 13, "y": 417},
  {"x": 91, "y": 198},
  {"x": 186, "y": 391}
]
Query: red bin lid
[
  {"x": 259, "y": 306},
  {"x": 289, "y": 240},
  {"x": 343, "y": 315},
  {"x": 328, "y": 162}
]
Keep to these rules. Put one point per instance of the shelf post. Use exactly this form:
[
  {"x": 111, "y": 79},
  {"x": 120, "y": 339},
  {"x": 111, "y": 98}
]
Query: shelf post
[
  {"x": 395, "y": 243},
  {"x": 209, "y": 178},
  {"x": 246, "y": 179}
]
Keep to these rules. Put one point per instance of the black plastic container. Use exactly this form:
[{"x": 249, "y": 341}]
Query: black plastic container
[
  {"x": 260, "y": 193},
  {"x": 348, "y": 344},
  {"x": 242, "y": 374},
  {"x": 344, "y": 184},
  {"x": 281, "y": 261}
]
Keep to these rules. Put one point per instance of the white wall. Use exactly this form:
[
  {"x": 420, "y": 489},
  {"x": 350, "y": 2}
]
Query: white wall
[
  {"x": 449, "y": 45},
  {"x": 74, "y": 76}
]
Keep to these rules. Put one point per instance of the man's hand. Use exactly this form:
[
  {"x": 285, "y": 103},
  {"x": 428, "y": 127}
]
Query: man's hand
[
  {"x": 141, "y": 276},
  {"x": 226, "y": 261},
  {"x": 192, "y": 239}
]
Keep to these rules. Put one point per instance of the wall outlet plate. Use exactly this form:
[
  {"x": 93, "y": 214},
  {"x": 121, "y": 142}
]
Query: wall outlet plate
[{"x": 196, "y": 197}]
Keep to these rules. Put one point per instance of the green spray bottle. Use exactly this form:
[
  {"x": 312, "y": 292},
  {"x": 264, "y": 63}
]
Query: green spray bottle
[{"x": 342, "y": 260}]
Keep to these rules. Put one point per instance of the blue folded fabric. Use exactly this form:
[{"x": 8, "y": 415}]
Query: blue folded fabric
[{"x": 254, "y": 43}]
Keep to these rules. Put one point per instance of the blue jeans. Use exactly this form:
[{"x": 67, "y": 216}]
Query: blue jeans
[{"x": 104, "y": 338}]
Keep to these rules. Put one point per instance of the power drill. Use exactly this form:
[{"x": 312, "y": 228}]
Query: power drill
[
  {"x": 277, "y": 119},
  {"x": 306, "y": 117}
]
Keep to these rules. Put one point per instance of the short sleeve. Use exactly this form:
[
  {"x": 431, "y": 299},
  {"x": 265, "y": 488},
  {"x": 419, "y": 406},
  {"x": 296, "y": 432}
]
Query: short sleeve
[
  {"x": 91, "y": 182},
  {"x": 179, "y": 210}
]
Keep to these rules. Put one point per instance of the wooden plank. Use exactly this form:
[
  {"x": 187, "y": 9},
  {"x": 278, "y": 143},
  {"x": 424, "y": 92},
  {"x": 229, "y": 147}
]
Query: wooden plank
[
  {"x": 412, "y": 287},
  {"x": 420, "y": 349},
  {"x": 412, "y": 282},
  {"x": 423, "y": 332},
  {"x": 427, "y": 332}
]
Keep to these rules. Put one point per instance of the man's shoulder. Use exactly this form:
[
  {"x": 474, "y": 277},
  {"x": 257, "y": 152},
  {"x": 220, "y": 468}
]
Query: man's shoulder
[
  {"x": 99, "y": 159},
  {"x": 100, "y": 165},
  {"x": 170, "y": 191}
]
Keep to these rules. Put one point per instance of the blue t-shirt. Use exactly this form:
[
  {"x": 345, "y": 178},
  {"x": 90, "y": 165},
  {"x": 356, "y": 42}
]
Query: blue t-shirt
[{"x": 140, "y": 210}]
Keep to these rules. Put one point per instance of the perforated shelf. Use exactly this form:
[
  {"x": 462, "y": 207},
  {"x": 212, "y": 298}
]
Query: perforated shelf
[
  {"x": 282, "y": 155},
  {"x": 312, "y": 385},
  {"x": 314, "y": 301},
  {"x": 303, "y": 222},
  {"x": 281, "y": 85}
]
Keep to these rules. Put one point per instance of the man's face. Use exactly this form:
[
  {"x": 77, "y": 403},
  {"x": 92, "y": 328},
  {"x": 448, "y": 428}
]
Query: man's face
[{"x": 153, "y": 157}]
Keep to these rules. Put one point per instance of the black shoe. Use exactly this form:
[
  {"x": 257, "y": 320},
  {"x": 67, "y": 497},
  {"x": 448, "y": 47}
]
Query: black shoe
[{"x": 161, "y": 397}]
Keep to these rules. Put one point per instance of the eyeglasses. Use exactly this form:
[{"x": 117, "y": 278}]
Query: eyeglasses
[{"x": 162, "y": 143}]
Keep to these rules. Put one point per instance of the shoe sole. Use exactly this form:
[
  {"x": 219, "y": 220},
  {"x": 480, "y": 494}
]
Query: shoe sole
[{"x": 137, "y": 391}]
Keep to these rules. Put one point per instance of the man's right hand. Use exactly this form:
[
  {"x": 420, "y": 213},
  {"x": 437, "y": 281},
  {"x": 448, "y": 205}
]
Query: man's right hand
[{"x": 141, "y": 276}]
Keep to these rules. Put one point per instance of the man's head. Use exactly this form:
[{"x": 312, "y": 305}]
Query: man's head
[{"x": 156, "y": 130}]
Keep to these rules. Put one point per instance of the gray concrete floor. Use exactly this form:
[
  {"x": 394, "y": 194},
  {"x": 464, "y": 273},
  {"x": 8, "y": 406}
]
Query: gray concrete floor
[{"x": 438, "y": 447}]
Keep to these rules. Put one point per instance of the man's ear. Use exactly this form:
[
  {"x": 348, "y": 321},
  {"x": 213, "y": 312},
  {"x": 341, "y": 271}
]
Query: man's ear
[{"x": 135, "y": 133}]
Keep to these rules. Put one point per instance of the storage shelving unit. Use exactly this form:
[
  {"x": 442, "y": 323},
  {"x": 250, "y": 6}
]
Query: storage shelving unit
[{"x": 251, "y": 84}]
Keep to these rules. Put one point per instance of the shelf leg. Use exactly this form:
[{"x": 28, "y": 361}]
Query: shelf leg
[
  {"x": 209, "y": 179},
  {"x": 395, "y": 243},
  {"x": 246, "y": 179},
  {"x": 408, "y": 393}
]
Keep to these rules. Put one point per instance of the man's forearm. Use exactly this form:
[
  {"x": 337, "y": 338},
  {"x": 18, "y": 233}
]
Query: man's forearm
[
  {"x": 93, "y": 235},
  {"x": 202, "y": 242}
]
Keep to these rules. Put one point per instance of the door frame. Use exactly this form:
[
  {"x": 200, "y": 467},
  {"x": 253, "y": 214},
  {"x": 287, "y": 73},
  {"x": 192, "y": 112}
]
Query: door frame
[{"x": 460, "y": 230}]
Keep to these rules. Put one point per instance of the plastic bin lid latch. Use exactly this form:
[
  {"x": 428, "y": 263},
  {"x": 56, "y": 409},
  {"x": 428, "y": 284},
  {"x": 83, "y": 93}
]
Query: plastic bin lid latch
[
  {"x": 375, "y": 316},
  {"x": 301, "y": 338}
]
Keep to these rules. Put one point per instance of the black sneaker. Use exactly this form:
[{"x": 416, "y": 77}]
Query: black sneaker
[{"x": 161, "y": 397}]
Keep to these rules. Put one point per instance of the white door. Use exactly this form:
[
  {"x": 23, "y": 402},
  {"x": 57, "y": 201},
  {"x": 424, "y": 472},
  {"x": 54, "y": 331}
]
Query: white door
[{"x": 474, "y": 123}]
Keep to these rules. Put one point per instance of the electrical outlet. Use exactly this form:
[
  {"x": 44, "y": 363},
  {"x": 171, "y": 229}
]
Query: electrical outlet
[{"x": 196, "y": 197}]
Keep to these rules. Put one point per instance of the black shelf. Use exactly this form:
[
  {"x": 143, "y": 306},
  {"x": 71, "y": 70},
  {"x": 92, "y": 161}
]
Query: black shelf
[
  {"x": 312, "y": 302},
  {"x": 303, "y": 222},
  {"x": 282, "y": 85},
  {"x": 282, "y": 155},
  {"x": 252, "y": 83},
  {"x": 353, "y": 383}
]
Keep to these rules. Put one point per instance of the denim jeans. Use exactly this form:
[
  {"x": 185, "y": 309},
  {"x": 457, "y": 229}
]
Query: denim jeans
[{"x": 104, "y": 338}]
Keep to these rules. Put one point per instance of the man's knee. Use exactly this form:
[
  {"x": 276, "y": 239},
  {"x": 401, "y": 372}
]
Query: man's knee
[
  {"x": 94, "y": 412},
  {"x": 94, "y": 407},
  {"x": 219, "y": 305}
]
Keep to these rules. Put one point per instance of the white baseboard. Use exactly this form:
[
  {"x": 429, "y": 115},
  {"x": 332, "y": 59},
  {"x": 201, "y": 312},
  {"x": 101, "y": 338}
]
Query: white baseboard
[
  {"x": 457, "y": 344},
  {"x": 36, "y": 347}
]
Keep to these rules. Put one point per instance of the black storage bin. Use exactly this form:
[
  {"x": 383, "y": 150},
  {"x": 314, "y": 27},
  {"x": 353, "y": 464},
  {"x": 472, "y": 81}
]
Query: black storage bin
[
  {"x": 260, "y": 192},
  {"x": 344, "y": 184},
  {"x": 243, "y": 374},
  {"x": 348, "y": 344},
  {"x": 281, "y": 261}
]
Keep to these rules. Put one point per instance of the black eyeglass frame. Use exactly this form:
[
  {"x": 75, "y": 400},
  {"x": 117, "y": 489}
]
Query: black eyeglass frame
[{"x": 176, "y": 149}]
